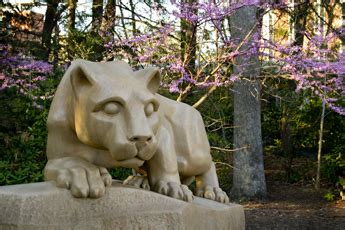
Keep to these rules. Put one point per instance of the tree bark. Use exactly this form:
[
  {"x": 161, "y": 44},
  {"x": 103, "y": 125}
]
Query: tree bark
[
  {"x": 318, "y": 170},
  {"x": 49, "y": 24},
  {"x": 343, "y": 26},
  {"x": 97, "y": 14},
  {"x": 108, "y": 22},
  {"x": 248, "y": 176},
  {"x": 286, "y": 138},
  {"x": 72, "y": 6},
  {"x": 299, "y": 20},
  {"x": 188, "y": 41},
  {"x": 188, "y": 46},
  {"x": 133, "y": 23}
]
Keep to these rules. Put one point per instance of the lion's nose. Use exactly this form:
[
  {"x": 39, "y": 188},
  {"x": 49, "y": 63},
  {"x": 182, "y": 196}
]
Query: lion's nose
[{"x": 142, "y": 139}]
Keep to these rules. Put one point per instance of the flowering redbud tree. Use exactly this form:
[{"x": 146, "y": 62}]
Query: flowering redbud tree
[
  {"x": 318, "y": 68},
  {"x": 200, "y": 32}
]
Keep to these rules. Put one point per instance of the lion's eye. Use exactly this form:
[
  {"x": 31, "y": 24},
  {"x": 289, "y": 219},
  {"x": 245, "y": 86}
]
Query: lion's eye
[
  {"x": 112, "y": 108},
  {"x": 149, "y": 109}
]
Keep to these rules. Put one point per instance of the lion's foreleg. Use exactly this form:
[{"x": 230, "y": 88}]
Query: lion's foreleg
[
  {"x": 207, "y": 186},
  {"x": 163, "y": 170}
]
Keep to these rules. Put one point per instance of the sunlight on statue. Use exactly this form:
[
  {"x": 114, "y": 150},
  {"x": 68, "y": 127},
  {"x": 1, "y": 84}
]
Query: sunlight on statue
[{"x": 104, "y": 115}]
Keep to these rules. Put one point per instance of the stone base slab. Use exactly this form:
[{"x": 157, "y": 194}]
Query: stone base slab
[{"x": 43, "y": 206}]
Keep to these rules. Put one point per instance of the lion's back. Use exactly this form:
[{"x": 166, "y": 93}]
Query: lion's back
[{"x": 187, "y": 125}]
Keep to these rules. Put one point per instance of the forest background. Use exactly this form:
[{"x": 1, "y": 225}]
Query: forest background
[{"x": 267, "y": 77}]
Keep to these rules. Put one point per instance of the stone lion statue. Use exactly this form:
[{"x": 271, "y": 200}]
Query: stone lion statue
[{"x": 106, "y": 115}]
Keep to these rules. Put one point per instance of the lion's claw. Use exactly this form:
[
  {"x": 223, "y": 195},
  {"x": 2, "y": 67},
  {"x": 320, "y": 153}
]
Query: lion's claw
[
  {"x": 138, "y": 182},
  {"x": 175, "y": 190},
  {"x": 212, "y": 193},
  {"x": 82, "y": 178}
]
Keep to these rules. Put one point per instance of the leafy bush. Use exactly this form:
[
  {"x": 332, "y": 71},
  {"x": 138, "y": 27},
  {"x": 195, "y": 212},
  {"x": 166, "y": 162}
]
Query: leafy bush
[
  {"x": 26, "y": 91},
  {"x": 333, "y": 168}
]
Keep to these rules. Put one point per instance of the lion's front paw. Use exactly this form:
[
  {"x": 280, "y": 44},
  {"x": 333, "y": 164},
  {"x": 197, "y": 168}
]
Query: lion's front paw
[
  {"x": 84, "y": 182},
  {"x": 212, "y": 193},
  {"x": 82, "y": 178},
  {"x": 175, "y": 190},
  {"x": 138, "y": 181}
]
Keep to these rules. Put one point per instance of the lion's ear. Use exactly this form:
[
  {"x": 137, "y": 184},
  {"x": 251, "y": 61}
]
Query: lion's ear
[
  {"x": 152, "y": 78},
  {"x": 81, "y": 76}
]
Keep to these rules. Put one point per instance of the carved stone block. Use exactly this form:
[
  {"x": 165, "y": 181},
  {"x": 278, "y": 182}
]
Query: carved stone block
[{"x": 44, "y": 206}]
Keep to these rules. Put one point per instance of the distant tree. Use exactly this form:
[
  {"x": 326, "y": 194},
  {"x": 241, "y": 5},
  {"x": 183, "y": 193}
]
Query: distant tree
[
  {"x": 300, "y": 13},
  {"x": 72, "y": 6},
  {"x": 97, "y": 14},
  {"x": 109, "y": 18},
  {"x": 50, "y": 21},
  {"x": 343, "y": 24},
  {"x": 188, "y": 38}
]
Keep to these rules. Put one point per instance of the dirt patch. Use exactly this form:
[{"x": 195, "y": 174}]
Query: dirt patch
[
  {"x": 295, "y": 207},
  {"x": 292, "y": 201}
]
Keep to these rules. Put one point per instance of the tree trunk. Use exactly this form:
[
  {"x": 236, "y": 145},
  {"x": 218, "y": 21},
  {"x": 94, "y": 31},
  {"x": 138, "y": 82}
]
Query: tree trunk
[
  {"x": 188, "y": 47},
  {"x": 248, "y": 177},
  {"x": 97, "y": 14},
  {"x": 133, "y": 23},
  {"x": 188, "y": 41},
  {"x": 124, "y": 27},
  {"x": 317, "y": 180},
  {"x": 299, "y": 20},
  {"x": 72, "y": 5},
  {"x": 286, "y": 138},
  {"x": 49, "y": 24},
  {"x": 343, "y": 25},
  {"x": 57, "y": 46},
  {"x": 108, "y": 22}
]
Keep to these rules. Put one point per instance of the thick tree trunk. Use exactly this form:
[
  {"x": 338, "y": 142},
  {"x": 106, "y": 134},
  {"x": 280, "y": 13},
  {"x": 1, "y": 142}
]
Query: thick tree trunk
[
  {"x": 49, "y": 24},
  {"x": 97, "y": 14},
  {"x": 248, "y": 177}
]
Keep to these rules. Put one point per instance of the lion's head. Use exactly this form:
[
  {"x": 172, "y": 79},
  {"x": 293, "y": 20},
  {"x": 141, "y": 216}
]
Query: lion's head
[{"x": 116, "y": 109}]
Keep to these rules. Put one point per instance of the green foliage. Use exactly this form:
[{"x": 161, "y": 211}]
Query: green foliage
[
  {"x": 120, "y": 173},
  {"x": 84, "y": 45},
  {"x": 333, "y": 167},
  {"x": 23, "y": 156},
  {"x": 342, "y": 181},
  {"x": 329, "y": 196},
  {"x": 218, "y": 119},
  {"x": 23, "y": 132},
  {"x": 302, "y": 111}
]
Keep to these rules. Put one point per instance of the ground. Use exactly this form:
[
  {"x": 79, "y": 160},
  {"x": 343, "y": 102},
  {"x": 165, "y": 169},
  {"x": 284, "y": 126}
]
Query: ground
[{"x": 294, "y": 206}]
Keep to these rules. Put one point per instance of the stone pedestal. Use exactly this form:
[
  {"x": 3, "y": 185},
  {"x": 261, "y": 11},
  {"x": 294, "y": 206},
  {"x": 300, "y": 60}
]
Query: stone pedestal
[{"x": 43, "y": 206}]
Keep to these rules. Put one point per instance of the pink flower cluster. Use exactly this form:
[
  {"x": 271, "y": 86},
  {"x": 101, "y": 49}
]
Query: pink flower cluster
[
  {"x": 318, "y": 68},
  {"x": 22, "y": 71}
]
